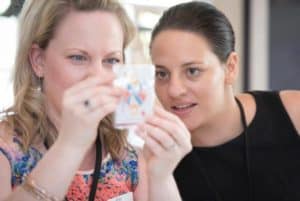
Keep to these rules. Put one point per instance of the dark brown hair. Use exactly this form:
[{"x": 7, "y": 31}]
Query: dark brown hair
[{"x": 203, "y": 19}]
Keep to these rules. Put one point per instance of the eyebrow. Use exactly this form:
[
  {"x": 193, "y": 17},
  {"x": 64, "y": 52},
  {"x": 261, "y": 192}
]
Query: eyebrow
[
  {"x": 115, "y": 52},
  {"x": 76, "y": 49},
  {"x": 159, "y": 66},
  {"x": 192, "y": 63},
  {"x": 182, "y": 65}
]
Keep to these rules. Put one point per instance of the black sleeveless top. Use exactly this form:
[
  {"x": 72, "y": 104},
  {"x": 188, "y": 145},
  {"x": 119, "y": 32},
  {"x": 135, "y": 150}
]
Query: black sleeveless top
[{"x": 274, "y": 160}]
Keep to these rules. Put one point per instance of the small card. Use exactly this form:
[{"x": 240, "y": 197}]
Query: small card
[{"x": 138, "y": 82}]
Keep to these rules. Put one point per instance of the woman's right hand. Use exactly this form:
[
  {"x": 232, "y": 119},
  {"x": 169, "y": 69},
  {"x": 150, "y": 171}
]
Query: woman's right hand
[
  {"x": 167, "y": 141},
  {"x": 84, "y": 105}
]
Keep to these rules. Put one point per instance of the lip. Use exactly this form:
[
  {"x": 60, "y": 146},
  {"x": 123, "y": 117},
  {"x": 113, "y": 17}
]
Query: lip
[{"x": 184, "y": 109}]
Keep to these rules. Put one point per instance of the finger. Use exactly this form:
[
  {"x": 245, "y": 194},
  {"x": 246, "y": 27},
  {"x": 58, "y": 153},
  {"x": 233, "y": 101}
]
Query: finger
[
  {"x": 154, "y": 146},
  {"x": 90, "y": 82},
  {"x": 101, "y": 100},
  {"x": 175, "y": 130},
  {"x": 103, "y": 111},
  {"x": 159, "y": 111},
  {"x": 160, "y": 136},
  {"x": 91, "y": 95}
]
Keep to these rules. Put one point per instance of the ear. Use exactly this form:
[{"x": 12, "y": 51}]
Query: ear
[
  {"x": 232, "y": 68},
  {"x": 37, "y": 60}
]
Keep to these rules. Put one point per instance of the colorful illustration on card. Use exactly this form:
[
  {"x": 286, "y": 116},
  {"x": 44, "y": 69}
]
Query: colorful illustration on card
[{"x": 138, "y": 81}]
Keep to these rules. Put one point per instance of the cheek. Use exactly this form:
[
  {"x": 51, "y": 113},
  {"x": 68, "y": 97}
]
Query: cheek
[
  {"x": 160, "y": 91},
  {"x": 61, "y": 75},
  {"x": 208, "y": 88},
  {"x": 216, "y": 79},
  {"x": 212, "y": 90},
  {"x": 55, "y": 83},
  {"x": 58, "y": 78}
]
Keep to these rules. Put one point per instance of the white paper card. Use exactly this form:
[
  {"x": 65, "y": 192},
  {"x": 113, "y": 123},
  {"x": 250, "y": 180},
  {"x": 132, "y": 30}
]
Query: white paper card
[{"x": 138, "y": 82}]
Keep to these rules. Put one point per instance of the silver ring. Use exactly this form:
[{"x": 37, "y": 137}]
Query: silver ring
[{"x": 87, "y": 103}]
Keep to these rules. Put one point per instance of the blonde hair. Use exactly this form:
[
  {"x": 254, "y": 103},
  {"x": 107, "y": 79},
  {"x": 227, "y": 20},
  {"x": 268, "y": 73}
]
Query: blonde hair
[{"x": 38, "y": 21}]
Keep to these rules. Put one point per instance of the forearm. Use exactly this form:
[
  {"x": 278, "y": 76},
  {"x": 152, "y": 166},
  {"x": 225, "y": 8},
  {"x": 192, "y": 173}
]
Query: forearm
[
  {"x": 53, "y": 173},
  {"x": 163, "y": 189}
]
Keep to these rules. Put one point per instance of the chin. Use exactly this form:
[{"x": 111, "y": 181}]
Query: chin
[
  {"x": 191, "y": 124},
  {"x": 192, "y": 128}
]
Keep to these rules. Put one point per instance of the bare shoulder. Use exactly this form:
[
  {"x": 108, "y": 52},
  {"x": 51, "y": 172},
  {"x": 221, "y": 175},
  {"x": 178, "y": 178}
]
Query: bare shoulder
[
  {"x": 5, "y": 178},
  {"x": 291, "y": 102},
  {"x": 249, "y": 105},
  {"x": 5, "y": 186}
]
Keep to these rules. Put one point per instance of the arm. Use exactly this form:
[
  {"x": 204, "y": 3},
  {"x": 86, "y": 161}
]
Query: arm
[
  {"x": 77, "y": 133},
  {"x": 53, "y": 173},
  {"x": 167, "y": 141},
  {"x": 163, "y": 189},
  {"x": 58, "y": 170},
  {"x": 291, "y": 102},
  {"x": 5, "y": 173},
  {"x": 141, "y": 192}
]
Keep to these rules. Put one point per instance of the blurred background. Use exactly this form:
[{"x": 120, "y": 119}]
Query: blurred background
[{"x": 267, "y": 40}]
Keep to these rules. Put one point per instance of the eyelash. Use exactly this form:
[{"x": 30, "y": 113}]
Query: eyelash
[
  {"x": 191, "y": 72},
  {"x": 78, "y": 58},
  {"x": 194, "y": 69},
  {"x": 159, "y": 72},
  {"x": 112, "y": 61}
]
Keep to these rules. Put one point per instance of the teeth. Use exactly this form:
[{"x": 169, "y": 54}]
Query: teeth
[{"x": 182, "y": 106}]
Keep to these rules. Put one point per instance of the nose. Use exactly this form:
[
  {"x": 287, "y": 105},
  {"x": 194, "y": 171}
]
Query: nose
[
  {"x": 98, "y": 68},
  {"x": 176, "y": 87}
]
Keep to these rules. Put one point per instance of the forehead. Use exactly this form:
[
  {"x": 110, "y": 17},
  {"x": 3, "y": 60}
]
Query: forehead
[
  {"x": 180, "y": 37},
  {"x": 89, "y": 28},
  {"x": 179, "y": 45}
]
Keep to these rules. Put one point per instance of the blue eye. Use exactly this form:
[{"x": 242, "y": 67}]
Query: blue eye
[
  {"x": 161, "y": 75},
  {"x": 193, "y": 72},
  {"x": 78, "y": 58},
  {"x": 112, "y": 61}
]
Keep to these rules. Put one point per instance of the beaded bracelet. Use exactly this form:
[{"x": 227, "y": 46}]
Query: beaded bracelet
[{"x": 36, "y": 191}]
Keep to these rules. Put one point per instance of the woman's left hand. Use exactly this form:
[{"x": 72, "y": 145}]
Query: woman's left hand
[{"x": 167, "y": 141}]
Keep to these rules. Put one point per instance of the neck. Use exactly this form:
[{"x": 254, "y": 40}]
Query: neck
[{"x": 224, "y": 126}]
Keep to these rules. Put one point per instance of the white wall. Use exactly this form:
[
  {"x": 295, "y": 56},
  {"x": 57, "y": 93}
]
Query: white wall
[
  {"x": 8, "y": 32},
  {"x": 259, "y": 47},
  {"x": 233, "y": 9}
]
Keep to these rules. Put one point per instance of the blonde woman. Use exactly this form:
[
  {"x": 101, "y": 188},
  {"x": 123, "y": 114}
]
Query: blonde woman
[{"x": 57, "y": 141}]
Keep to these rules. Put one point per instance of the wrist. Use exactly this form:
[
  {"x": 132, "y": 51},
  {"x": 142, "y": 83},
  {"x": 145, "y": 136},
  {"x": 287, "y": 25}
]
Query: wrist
[
  {"x": 161, "y": 179},
  {"x": 163, "y": 189},
  {"x": 67, "y": 148},
  {"x": 37, "y": 191}
]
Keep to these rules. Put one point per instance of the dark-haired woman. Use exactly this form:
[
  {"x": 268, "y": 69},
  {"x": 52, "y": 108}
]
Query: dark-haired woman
[{"x": 245, "y": 147}]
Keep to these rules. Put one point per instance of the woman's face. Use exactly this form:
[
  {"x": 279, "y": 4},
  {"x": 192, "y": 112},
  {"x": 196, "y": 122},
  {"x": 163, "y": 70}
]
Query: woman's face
[
  {"x": 84, "y": 44},
  {"x": 190, "y": 79}
]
